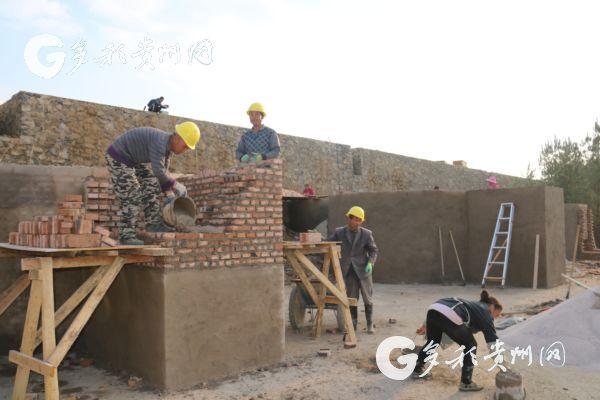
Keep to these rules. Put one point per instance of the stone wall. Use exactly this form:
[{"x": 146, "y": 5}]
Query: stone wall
[{"x": 48, "y": 130}]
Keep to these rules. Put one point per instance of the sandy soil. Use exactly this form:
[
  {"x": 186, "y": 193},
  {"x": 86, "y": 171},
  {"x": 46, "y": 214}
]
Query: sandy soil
[{"x": 352, "y": 374}]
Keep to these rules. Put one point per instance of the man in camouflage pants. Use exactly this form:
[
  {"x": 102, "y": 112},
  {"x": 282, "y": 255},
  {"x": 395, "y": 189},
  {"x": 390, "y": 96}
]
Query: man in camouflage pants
[{"x": 136, "y": 184}]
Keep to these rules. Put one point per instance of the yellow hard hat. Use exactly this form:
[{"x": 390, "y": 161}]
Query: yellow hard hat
[
  {"x": 257, "y": 107},
  {"x": 356, "y": 211},
  {"x": 189, "y": 132}
]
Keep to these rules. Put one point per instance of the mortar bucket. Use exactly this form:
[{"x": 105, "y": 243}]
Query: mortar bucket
[{"x": 180, "y": 212}]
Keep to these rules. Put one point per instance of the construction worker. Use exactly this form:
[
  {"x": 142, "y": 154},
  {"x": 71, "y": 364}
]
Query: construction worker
[
  {"x": 156, "y": 105},
  {"x": 259, "y": 142},
  {"x": 492, "y": 182},
  {"x": 458, "y": 319},
  {"x": 136, "y": 184},
  {"x": 359, "y": 253},
  {"x": 308, "y": 191}
]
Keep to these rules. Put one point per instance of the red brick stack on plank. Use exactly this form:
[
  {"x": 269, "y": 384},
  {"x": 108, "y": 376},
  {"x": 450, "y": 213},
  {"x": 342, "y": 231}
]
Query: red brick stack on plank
[
  {"x": 72, "y": 227},
  {"x": 100, "y": 200},
  {"x": 246, "y": 202},
  {"x": 310, "y": 237}
]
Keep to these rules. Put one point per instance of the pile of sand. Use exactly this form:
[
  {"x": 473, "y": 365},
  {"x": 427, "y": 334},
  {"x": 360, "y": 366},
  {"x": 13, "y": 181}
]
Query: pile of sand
[{"x": 575, "y": 323}]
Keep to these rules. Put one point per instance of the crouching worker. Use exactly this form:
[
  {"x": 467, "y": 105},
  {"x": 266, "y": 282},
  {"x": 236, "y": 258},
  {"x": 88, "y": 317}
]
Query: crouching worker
[
  {"x": 136, "y": 184},
  {"x": 359, "y": 254},
  {"x": 459, "y": 319}
]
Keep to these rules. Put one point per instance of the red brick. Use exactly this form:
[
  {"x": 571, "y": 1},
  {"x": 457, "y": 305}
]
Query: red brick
[
  {"x": 83, "y": 240},
  {"x": 85, "y": 226},
  {"x": 74, "y": 197},
  {"x": 93, "y": 216}
]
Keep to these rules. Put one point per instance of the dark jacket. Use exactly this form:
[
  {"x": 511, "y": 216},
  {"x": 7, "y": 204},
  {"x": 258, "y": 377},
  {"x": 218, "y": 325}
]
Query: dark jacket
[
  {"x": 475, "y": 314},
  {"x": 155, "y": 105},
  {"x": 358, "y": 253}
]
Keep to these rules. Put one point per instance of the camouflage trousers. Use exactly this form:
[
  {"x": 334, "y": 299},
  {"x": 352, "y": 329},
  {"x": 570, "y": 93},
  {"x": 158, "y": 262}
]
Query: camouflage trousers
[{"x": 134, "y": 187}]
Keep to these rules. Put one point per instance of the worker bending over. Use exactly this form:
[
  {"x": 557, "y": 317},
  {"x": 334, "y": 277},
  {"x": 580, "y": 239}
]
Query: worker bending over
[
  {"x": 359, "y": 253},
  {"x": 135, "y": 183},
  {"x": 259, "y": 142},
  {"x": 459, "y": 319}
]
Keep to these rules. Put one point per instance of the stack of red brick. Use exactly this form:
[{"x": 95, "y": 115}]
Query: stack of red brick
[
  {"x": 246, "y": 202},
  {"x": 71, "y": 227},
  {"x": 100, "y": 200}
]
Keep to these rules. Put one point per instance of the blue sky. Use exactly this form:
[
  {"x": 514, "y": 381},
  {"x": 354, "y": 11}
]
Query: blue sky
[{"x": 486, "y": 82}]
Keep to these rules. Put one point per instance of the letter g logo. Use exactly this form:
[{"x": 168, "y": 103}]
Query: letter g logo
[
  {"x": 382, "y": 357},
  {"x": 56, "y": 60}
]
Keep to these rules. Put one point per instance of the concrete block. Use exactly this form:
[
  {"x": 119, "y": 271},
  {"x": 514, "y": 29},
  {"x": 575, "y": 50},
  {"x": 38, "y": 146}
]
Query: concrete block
[{"x": 173, "y": 340}]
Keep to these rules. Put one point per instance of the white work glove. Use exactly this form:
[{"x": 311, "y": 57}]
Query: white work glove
[{"x": 179, "y": 190}]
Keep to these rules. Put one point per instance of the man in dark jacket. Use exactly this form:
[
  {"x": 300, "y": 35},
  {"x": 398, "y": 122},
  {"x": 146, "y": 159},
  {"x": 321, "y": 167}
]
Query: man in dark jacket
[
  {"x": 359, "y": 254},
  {"x": 156, "y": 105}
]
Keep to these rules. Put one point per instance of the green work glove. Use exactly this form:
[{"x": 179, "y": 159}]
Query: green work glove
[
  {"x": 369, "y": 268},
  {"x": 245, "y": 158},
  {"x": 257, "y": 157}
]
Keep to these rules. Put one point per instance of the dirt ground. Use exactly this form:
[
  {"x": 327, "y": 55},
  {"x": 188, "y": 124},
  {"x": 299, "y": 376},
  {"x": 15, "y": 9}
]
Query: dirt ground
[{"x": 352, "y": 374}]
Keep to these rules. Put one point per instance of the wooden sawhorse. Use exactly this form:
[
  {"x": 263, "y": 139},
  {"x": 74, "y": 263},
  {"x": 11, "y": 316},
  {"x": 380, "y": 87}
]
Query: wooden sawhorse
[
  {"x": 296, "y": 252},
  {"x": 40, "y": 263}
]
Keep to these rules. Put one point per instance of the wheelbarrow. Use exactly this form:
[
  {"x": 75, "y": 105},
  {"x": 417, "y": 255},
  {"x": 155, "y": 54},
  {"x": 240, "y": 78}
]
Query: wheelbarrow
[{"x": 303, "y": 310}]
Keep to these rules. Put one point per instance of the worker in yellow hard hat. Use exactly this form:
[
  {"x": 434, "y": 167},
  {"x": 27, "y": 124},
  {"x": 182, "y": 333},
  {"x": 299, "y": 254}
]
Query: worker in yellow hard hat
[
  {"x": 259, "y": 142},
  {"x": 359, "y": 254},
  {"x": 136, "y": 183}
]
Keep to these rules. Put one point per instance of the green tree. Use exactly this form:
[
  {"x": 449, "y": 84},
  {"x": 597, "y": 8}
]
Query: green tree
[{"x": 563, "y": 164}]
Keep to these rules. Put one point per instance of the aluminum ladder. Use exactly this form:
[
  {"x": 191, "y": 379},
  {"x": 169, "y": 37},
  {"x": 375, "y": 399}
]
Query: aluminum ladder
[{"x": 500, "y": 247}]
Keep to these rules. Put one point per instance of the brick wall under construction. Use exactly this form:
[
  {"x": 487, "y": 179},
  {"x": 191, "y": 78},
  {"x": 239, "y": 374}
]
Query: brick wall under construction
[{"x": 245, "y": 203}]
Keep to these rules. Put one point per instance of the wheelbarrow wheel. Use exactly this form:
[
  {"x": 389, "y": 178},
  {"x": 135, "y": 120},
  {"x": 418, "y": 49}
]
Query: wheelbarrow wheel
[{"x": 297, "y": 309}]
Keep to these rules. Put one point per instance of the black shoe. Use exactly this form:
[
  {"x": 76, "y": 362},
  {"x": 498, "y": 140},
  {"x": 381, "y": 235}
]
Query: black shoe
[
  {"x": 469, "y": 387},
  {"x": 466, "y": 380},
  {"x": 160, "y": 227},
  {"x": 419, "y": 369}
]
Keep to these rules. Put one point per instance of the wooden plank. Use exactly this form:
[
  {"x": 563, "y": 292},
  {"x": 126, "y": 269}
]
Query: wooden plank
[
  {"x": 339, "y": 278},
  {"x": 86, "y": 312},
  {"x": 48, "y": 325},
  {"x": 536, "y": 259},
  {"x": 333, "y": 300},
  {"x": 324, "y": 279},
  {"x": 15, "y": 247},
  {"x": 575, "y": 281},
  {"x": 13, "y": 291},
  {"x": 441, "y": 252},
  {"x": 322, "y": 293},
  {"x": 77, "y": 297},
  {"x": 154, "y": 251},
  {"x": 457, "y": 257},
  {"x": 28, "y": 340},
  {"x": 295, "y": 245},
  {"x": 28, "y": 264},
  {"x": 302, "y": 275},
  {"x": 31, "y": 363},
  {"x": 573, "y": 260}
]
